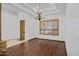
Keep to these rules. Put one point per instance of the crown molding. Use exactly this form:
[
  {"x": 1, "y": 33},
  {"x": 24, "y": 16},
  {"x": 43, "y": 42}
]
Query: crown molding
[
  {"x": 17, "y": 8},
  {"x": 31, "y": 9}
]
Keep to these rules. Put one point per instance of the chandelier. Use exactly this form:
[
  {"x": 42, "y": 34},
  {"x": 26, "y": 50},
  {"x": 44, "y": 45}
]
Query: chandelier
[{"x": 39, "y": 14}]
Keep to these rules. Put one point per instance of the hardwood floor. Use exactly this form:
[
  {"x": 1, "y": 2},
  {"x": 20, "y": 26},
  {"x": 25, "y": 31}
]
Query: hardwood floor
[{"x": 38, "y": 47}]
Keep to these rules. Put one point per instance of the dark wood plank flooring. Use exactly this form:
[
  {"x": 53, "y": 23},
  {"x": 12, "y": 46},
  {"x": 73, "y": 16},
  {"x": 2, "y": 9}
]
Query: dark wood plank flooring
[{"x": 38, "y": 47}]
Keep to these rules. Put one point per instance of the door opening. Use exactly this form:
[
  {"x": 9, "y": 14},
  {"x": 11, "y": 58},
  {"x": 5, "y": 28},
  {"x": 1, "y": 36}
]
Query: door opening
[{"x": 22, "y": 30}]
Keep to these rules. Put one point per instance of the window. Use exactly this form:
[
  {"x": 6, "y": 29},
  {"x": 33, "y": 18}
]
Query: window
[{"x": 49, "y": 27}]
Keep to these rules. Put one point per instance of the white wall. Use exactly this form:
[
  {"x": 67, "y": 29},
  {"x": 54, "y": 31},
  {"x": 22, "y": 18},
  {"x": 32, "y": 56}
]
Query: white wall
[
  {"x": 30, "y": 27},
  {"x": 71, "y": 29},
  {"x": 61, "y": 21},
  {"x": 10, "y": 25}
]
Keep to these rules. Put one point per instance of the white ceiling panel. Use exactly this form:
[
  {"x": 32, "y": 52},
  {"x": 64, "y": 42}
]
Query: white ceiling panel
[{"x": 31, "y": 8}]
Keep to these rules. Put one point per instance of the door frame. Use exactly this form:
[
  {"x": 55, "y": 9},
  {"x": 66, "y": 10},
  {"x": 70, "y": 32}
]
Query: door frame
[{"x": 20, "y": 29}]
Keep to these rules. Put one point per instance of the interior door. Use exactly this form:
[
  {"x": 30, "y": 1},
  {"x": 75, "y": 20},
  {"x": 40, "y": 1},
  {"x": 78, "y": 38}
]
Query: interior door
[{"x": 22, "y": 30}]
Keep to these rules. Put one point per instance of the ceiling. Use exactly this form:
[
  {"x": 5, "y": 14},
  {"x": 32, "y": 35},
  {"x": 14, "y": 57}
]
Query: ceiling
[
  {"x": 47, "y": 6},
  {"x": 31, "y": 8}
]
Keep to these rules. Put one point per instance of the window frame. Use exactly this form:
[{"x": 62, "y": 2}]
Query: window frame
[{"x": 54, "y": 31}]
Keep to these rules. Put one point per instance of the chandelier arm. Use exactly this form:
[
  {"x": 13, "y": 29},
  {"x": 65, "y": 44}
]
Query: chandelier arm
[{"x": 40, "y": 15}]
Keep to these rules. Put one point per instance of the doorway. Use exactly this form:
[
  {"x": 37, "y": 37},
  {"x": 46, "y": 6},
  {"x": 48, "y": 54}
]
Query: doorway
[{"x": 22, "y": 30}]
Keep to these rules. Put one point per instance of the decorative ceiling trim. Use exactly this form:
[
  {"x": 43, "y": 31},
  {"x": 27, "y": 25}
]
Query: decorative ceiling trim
[
  {"x": 31, "y": 9},
  {"x": 23, "y": 9}
]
